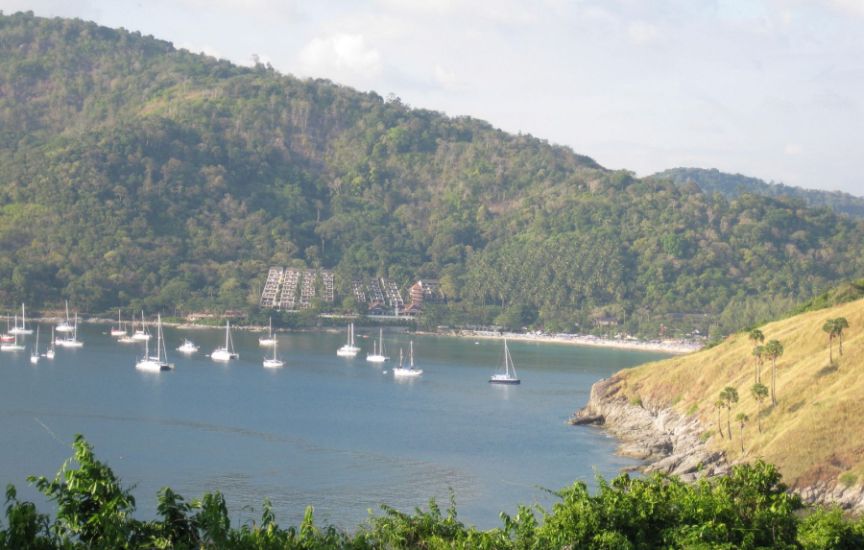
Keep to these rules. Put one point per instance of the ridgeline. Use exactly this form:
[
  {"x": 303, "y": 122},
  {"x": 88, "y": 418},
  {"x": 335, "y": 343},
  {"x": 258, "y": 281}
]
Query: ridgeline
[{"x": 133, "y": 173}]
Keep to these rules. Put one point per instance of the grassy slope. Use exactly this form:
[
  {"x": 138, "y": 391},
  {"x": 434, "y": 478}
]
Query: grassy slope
[{"x": 816, "y": 430}]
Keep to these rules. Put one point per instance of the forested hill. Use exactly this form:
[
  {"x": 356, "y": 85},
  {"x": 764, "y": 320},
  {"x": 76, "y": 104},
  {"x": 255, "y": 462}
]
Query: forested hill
[
  {"x": 132, "y": 172},
  {"x": 732, "y": 185}
]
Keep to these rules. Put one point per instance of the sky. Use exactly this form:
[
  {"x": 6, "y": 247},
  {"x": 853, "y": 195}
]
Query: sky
[{"x": 772, "y": 89}]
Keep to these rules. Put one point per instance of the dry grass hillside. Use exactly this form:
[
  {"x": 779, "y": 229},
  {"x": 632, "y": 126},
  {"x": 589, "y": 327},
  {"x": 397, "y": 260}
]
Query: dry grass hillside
[{"x": 815, "y": 432}]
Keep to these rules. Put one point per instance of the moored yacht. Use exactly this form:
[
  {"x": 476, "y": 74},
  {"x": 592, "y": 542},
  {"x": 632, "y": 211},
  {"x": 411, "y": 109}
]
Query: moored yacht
[
  {"x": 410, "y": 370},
  {"x": 349, "y": 349},
  {"x": 269, "y": 340},
  {"x": 188, "y": 346},
  {"x": 226, "y": 352},
  {"x": 160, "y": 362},
  {"x": 22, "y": 328}
]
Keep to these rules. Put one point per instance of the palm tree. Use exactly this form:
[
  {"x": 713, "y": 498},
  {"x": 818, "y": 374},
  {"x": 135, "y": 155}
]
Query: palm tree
[
  {"x": 760, "y": 392},
  {"x": 759, "y": 354},
  {"x": 840, "y": 323},
  {"x": 742, "y": 419},
  {"x": 719, "y": 405},
  {"x": 757, "y": 338},
  {"x": 773, "y": 350},
  {"x": 729, "y": 395},
  {"x": 830, "y": 327}
]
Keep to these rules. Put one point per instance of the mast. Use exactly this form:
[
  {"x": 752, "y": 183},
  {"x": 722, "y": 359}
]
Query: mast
[
  {"x": 411, "y": 356},
  {"x": 159, "y": 337},
  {"x": 23, "y": 317}
]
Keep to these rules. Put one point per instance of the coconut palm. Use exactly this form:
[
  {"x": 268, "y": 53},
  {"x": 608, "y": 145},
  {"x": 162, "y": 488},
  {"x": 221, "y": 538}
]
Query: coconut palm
[
  {"x": 840, "y": 323},
  {"x": 830, "y": 328},
  {"x": 742, "y": 419},
  {"x": 719, "y": 405},
  {"x": 729, "y": 395},
  {"x": 760, "y": 392},
  {"x": 757, "y": 338},
  {"x": 773, "y": 350},
  {"x": 759, "y": 354}
]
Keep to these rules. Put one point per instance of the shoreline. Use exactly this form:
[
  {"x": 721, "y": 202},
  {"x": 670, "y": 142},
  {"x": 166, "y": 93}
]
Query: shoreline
[{"x": 678, "y": 346}]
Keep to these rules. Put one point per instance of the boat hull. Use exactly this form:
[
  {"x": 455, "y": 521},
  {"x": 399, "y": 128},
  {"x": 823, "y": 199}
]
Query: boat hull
[
  {"x": 406, "y": 373},
  {"x": 152, "y": 365},
  {"x": 509, "y": 382},
  {"x": 273, "y": 363},
  {"x": 223, "y": 355}
]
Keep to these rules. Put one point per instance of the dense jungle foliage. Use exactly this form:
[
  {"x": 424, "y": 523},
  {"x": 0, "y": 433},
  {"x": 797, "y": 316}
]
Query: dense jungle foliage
[
  {"x": 135, "y": 173},
  {"x": 733, "y": 185},
  {"x": 748, "y": 509}
]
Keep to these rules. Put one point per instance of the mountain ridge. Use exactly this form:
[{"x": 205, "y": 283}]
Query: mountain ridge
[{"x": 132, "y": 173}]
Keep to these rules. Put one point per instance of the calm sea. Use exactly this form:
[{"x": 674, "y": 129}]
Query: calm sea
[{"x": 338, "y": 434}]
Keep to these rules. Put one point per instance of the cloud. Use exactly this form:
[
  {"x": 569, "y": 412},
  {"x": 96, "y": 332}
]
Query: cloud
[
  {"x": 340, "y": 55},
  {"x": 850, "y": 7},
  {"x": 793, "y": 150},
  {"x": 641, "y": 33},
  {"x": 446, "y": 78}
]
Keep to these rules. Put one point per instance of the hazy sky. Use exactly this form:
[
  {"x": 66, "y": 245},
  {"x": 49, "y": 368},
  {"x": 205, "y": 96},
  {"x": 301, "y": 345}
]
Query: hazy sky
[{"x": 771, "y": 88}]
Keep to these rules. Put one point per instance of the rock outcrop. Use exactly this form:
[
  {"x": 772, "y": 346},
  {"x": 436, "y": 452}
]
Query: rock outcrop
[
  {"x": 667, "y": 441},
  {"x": 672, "y": 443}
]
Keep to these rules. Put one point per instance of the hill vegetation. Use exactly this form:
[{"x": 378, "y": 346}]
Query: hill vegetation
[
  {"x": 748, "y": 509},
  {"x": 734, "y": 185},
  {"x": 813, "y": 432},
  {"x": 135, "y": 173}
]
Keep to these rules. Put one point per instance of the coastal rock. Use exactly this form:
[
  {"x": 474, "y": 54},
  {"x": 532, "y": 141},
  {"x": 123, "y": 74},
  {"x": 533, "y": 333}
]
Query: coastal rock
[
  {"x": 671, "y": 443},
  {"x": 668, "y": 441}
]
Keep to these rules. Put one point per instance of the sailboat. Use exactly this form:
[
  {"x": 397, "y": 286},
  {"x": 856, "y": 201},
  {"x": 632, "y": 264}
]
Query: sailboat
[
  {"x": 7, "y": 336},
  {"x": 34, "y": 355},
  {"x": 65, "y": 326},
  {"x": 377, "y": 355},
  {"x": 225, "y": 353},
  {"x": 23, "y": 328},
  {"x": 71, "y": 341},
  {"x": 349, "y": 349},
  {"x": 50, "y": 353},
  {"x": 12, "y": 346},
  {"x": 119, "y": 330},
  {"x": 142, "y": 334},
  {"x": 188, "y": 346},
  {"x": 268, "y": 340},
  {"x": 160, "y": 361},
  {"x": 410, "y": 370},
  {"x": 508, "y": 376},
  {"x": 274, "y": 362}
]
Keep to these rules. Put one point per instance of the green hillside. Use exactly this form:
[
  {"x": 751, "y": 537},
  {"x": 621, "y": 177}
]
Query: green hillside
[
  {"x": 135, "y": 173},
  {"x": 733, "y": 185}
]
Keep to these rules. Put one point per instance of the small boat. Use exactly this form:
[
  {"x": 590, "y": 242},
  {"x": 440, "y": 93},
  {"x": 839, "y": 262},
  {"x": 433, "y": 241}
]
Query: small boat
[
  {"x": 65, "y": 326},
  {"x": 274, "y": 362},
  {"x": 377, "y": 355},
  {"x": 269, "y": 340},
  {"x": 22, "y": 329},
  {"x": 188, "y": 346},
  {"x": 141, "y": 334},
  {"x": 50, "y": 353},
  {"x": 410, "y": 370},
  {"x": 349, "y": 349},
  {"x": 7, "y": 336},
  {"x": 12, "y": 346},
  {"x": 160, "y": 361},
  {"x": 225, "y": 353},
  {"x": 71, "y": 341},
  {"x": 34, "y": 354},
  {"x": 119, "y": 330},
  {"x": 508, "y": 370}
]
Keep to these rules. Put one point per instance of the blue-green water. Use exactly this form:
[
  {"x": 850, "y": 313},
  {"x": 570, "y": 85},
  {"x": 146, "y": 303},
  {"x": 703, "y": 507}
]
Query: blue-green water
[{"x": 337, "y": 434}]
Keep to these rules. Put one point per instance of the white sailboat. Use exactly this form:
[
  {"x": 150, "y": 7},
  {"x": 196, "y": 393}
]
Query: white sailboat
[
  {"x": 119, "y": 330},
  {"x": 349, "y": 349},
  {"x": 274, "y": 362},
  {"x": 22, "y": 329},
  {"x": 65, "y": 326},
  {"x": 34, "y": 354},
  {"x": 377, "y": 355},
  {"x": 410, "y": 370},
  {"x": 269, "y": 340},
  {"x": 188, "y": 347},
  {"x": 508, "y": 376},
  {"x": 71, "y": 341},
  {"x": 50, "y": 353},
  {"x": 12, "y": 346},
  {"x": 225, "y": 353},
  {"x": 141, "y": 334},
  {"x": 160, "y": 361}
]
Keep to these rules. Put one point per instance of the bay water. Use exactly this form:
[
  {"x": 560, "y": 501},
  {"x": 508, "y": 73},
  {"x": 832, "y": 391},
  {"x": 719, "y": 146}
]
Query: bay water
[{"x": 338, "y": 434}]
